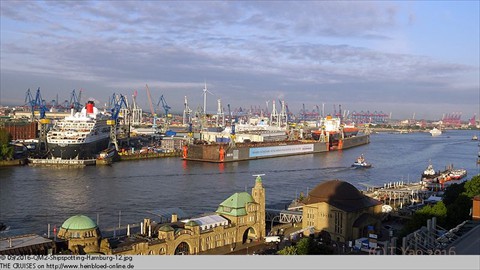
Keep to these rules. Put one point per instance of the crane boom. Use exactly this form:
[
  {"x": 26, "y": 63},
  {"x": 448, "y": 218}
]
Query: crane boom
[{"x": 150, "y": 100}]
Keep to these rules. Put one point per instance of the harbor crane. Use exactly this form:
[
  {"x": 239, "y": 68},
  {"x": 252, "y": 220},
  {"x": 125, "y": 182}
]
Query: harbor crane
[
  {"x": 75, "y": 100},
  {"x": 187, "y": 113},
  {"x": 118, "y": 102},
  {"x": 36, "y": 103},
  {"x": 40, "y": 104},
  {"x": 166, "y": 108},
  {"x": 150, "y": 104}
]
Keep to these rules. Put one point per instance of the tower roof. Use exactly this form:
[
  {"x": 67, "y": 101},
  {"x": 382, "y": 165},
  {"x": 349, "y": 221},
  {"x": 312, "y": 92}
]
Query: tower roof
[
  {"x": 166, "y": 228},
  {"x": 79, "y": 222},
  {"x": 340, "y": 194},
  {"x": 235, "y": 204}
]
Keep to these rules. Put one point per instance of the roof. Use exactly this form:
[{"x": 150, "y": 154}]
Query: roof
[
  {"x": 23, "y": 241},
  {"x": 79, "y": 222},
  {"x": 208, "y": 222},
  {"x": 191, "y": 223},
  {"x": 165, "y": 214},
  {"x": 166, "y": 228},
  {"x": 235, "y": 204},
  {"x": 340, "y": 194}
]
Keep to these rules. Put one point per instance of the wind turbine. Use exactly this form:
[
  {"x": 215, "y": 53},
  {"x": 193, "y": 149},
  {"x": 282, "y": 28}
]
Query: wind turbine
[{"x": 205, "y": 90}]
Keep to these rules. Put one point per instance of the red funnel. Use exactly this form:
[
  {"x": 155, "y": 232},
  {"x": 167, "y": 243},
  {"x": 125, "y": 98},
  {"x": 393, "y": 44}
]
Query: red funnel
[{"x": 89, "y": 107}]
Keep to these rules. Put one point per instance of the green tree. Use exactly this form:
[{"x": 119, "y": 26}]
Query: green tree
[
  {"x": 420, "y": 217},
  {"x": 452, "y": 192},
  {"x": 472, "y": 187},
  {"x": 290, "y": 250},
  {"x": 304, "y": 246},
  {"x": 459, "y": 211},
  {"x": 6, "y": 150}
]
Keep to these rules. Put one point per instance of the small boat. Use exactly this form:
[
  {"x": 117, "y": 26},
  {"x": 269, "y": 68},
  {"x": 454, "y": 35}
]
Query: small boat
[
  {"x": 435, "y": 132},
  {"x": 106, "y": 156},
  {"x": 429, "y": 172},
  {"x": 474, "y": 138},
  {"x": 361, "y": 163}
]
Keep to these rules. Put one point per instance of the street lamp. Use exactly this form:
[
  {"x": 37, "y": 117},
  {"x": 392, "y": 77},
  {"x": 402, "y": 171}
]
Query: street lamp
[{"x": 271, "y": 224}]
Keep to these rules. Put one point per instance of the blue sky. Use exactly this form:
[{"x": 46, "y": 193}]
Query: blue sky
[{"x": 399, "y": 57}]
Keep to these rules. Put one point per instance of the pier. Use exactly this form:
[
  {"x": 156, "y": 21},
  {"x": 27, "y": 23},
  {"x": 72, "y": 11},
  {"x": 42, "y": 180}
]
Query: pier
[
  {"x": 399, "y": 194},
  {"x": 61, "y": 162}
]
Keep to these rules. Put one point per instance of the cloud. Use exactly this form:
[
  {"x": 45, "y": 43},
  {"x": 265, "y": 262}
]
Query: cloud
[{"x": 247, "y": 52}]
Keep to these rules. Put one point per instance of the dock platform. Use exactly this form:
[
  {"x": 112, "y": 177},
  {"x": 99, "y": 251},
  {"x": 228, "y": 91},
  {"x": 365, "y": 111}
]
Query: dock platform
[
  {"x": 399, "y": 194},
  {"x": 61, "y": 162}
]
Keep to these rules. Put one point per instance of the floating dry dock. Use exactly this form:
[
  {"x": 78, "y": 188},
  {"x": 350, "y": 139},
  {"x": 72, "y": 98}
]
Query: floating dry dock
[{"x": 225, "y": 152}]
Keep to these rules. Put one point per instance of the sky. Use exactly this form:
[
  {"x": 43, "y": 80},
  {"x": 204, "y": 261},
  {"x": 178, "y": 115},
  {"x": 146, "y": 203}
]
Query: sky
[{"x": 398, "y": 57}]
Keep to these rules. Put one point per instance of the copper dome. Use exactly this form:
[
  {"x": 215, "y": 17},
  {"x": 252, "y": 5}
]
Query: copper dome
[{"x": 340, "y": 194}]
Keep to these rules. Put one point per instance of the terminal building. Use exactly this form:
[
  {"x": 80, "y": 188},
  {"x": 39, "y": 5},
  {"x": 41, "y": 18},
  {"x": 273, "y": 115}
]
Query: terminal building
[
  {"x": 341, "y": 210},
  {"x": 238, "y": 219}
]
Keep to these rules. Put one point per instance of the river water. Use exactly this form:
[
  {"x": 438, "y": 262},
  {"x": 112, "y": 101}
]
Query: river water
[{"x": 32, "y": 197}]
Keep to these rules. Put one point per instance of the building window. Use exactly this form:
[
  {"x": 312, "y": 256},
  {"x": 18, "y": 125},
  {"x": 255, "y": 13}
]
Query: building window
[{"x": 338, "y": 222}]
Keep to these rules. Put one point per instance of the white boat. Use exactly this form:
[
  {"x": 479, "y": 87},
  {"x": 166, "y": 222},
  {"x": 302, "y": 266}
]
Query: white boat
[
  {"x": 435, "y": 132},
  {"x": 361, "y": 163}
]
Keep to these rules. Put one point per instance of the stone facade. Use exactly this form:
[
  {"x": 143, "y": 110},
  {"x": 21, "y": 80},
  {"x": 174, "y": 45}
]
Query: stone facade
[
  {"x": 338, "y": 208},
  {"x": 81, "y": 233},
  {"x": 193, "y": 236}
]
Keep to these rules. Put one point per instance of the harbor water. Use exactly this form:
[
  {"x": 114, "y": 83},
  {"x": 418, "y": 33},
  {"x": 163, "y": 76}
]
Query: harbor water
[{"x": 126, "y": 192}]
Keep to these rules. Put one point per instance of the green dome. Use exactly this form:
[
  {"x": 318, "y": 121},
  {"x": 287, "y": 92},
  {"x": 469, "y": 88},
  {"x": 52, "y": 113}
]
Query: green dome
[
  {"x": 191, "y": 223},
  {"x": 166, "y": 228},
  {"x": 79, "y": 222}
]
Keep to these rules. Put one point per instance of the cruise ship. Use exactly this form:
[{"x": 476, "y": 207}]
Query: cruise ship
[{"x": 80, "y": 135}]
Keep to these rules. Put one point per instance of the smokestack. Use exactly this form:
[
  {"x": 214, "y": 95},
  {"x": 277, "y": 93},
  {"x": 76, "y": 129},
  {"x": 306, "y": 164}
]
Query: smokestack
[
  {"x": 90, "y": 105},
  {"x": 174, "y": 217}
]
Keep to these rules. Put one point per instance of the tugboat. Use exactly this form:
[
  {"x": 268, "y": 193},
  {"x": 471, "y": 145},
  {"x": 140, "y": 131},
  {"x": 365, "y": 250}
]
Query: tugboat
[
  {"x": 429, "y": 172},
  {"x": 361, "y": 163}
]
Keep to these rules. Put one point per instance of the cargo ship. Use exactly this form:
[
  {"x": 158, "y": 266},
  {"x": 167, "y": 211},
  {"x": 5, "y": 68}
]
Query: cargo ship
[
  {"x": 80, "y": 135},
  {"x": 331, "y": 136}
]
